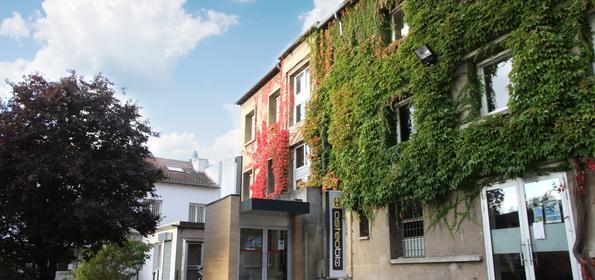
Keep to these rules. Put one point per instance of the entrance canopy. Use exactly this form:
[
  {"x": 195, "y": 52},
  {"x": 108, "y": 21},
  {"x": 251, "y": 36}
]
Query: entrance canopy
[{"x": 259, "y": 206}]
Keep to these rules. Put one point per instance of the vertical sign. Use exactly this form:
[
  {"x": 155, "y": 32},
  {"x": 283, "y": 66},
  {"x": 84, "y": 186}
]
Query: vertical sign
[{"x": 337, "y": 266}]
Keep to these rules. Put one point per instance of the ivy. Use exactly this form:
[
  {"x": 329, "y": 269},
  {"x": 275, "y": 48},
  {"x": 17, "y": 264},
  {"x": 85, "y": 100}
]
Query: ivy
[{"x": 359, "y": 77}]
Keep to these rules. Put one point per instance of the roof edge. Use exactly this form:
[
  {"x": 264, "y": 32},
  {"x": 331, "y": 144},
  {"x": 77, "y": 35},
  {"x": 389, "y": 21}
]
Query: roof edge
[{"x": 268, "y": 76}]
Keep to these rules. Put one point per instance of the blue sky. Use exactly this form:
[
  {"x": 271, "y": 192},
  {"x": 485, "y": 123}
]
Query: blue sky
[{"x": 184, "y": 62}]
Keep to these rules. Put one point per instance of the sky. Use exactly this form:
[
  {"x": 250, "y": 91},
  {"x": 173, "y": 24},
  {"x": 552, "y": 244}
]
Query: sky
[{"x": 185, "y": 63}]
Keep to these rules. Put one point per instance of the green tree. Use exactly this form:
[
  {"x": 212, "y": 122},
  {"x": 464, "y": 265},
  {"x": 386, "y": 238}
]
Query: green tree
[
  {"x": 73, "y": 173},
  {"x": 114, "y": 262}
]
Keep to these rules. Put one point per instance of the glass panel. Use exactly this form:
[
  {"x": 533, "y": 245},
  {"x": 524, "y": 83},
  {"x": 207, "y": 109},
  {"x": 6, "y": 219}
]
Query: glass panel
[
  {"x": 506, "y": 233},
  {"x": 250, "y": 254},
  {"x": 194, "y": 261},
  {"x": 496, "y": 84},
  {"x": 405, "y": 121},
  {"x": 399, "y": 26},
  {"x": 277, "y": 255},
  {"x": 548, "y": 233},
  {"x": 299, "y": 157}
]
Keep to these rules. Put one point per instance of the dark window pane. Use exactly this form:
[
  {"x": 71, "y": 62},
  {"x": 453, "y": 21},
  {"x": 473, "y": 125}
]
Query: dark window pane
[
  {"x": 299, "y": 157},
  {"x": 405, "y": 122},
  {"x": 270, "y": 177},
  {"x": 298, "y": 113},
  {"x": 194, "y": 254},
  {"x": 364, "y": 225}
]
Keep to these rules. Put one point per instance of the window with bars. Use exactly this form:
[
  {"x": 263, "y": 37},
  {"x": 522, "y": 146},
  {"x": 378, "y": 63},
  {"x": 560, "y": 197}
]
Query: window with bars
[
  {"x": 406, "y": 230},
  {"x": 154, "y": 206},
  {"x": 196, "y": 213}
]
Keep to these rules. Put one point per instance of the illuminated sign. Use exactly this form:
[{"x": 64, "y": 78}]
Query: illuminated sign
[{"x": 337, "y": 267}]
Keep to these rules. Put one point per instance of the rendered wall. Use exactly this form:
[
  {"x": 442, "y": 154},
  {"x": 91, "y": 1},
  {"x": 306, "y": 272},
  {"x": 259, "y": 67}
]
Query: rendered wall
[{"x": 176, "y": 198}]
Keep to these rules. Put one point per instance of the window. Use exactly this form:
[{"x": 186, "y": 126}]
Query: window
[
  {"x": 301, "y": 155},
  {"x": 156, "y": 256},
  {"x": 398, "y": 26},
  {"x": 193, "y": 260},
  {"x": 364, "y": 224},
  {"x": 249, "y": 123},
  {"x": 300, "y": 112},
  {"x": 406, "y": 228},
  {"x": 175, "y": 169},
  {"x": 494, "y": 75},
  {"x": 274, "y": 110},
  {"x": 196, "y": 213},
  {"x": 301, "y": 84},
  {"x": 270, "y": 177},
  {"x": 405, "y": 126},
  {"x": 246, "y": 182},
  {"x": 154, "y": 206}
]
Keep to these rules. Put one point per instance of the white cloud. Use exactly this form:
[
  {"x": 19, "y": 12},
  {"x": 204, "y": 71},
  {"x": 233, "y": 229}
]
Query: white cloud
[
  {"x": 180, "y": 145},
  {"x": 14, "y": 27},
  {"x": 135, "y": 38},
  {"x": 322, "y": 9}
]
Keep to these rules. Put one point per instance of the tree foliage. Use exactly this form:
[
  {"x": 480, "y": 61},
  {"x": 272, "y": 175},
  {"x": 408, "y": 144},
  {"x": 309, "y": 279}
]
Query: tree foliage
[
  {"x": 73, "y": 172},
  {"x": 114, "y": 262}
]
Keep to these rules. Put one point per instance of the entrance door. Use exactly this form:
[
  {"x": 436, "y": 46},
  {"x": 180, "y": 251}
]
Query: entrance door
[
  {"x": 528, "y": 230},
  {"x": 263, "y": 254}
]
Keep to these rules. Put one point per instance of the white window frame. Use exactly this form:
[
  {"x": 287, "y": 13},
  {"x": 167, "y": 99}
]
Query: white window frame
[
  {"x": 480, "y": 73},
  {"x": 251, "y": 171},
  {"x": 393, "y": 30},
  {"x": 301, "y": 98},
  {"x": 196, "y": 212},
  {"x": 306, "y": 153},
  {"x": 408, "y": 102}
]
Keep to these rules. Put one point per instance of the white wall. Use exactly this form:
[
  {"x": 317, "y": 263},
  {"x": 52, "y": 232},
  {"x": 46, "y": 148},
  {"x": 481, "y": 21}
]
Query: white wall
[
  {"x": 228, "y": 174},
  {"x": 176, "y": 199}
]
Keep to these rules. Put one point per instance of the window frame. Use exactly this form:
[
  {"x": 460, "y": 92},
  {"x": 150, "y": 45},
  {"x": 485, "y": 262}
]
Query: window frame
[
  {"x": 249, "y": 127},
  {"x": 499, "y": 57},
  {"x": 246, "y": 188},
  {"x": 186, "y": 254},
  {"x": 305, "y": 160},
  {"x": 196, "y": 212},
  {"x": 274, "y": 98},
  {"x": 393, "y": 30},
  {"x": 301, "y": 98},
  {"x": 363, "y": 225},
  {"x": 406, "y": 103},
  {"x": 397, "y": 232}
]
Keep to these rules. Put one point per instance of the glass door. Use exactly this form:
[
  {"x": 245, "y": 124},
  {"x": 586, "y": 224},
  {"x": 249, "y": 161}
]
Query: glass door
[
  {"x": 251, "y": 252},
  {"x": 528, "y": 233},
  {"x": 263, "y": 254},
  {"x": 276, "y": 255}
]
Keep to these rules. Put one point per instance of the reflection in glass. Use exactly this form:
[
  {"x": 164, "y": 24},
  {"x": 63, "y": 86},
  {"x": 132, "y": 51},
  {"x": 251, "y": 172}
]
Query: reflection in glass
[
  {"x": 250, "y": 254},
  {"x": 496, "y": 83},
  {"x": 277, "y": 255},
  {"x": 193, "y": 260},
  {"x": 508, "y": 267},
  {"x": 503, "y": 208},
  {"x": 544, "y": 210}
]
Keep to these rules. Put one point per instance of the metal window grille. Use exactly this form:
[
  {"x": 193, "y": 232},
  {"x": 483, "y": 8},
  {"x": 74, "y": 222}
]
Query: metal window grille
[
  {"x": 154, "y": 206},
  {"x": 411, "y": 229},
  {"x": 196, "y": 213}
]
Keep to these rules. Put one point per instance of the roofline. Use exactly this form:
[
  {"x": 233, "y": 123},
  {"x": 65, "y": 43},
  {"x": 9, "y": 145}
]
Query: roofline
[
  {"x": 215, "y": 186},
  {"x": 293, "y": 46},
  {"x": 268, "y": 76}
]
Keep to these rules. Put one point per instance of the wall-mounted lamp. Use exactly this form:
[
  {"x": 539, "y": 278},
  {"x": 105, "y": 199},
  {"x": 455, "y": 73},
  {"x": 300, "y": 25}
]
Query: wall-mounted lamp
[{"x": 425, "y": 55}]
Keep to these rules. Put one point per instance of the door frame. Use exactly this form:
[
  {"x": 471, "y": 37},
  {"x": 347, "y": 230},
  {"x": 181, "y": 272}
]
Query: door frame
[
  {"x": 265, "y": 247},
  {"x": 527, "y": 249}
]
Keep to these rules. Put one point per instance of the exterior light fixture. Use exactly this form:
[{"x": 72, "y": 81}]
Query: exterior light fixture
[{"x": 425, "y": 55}]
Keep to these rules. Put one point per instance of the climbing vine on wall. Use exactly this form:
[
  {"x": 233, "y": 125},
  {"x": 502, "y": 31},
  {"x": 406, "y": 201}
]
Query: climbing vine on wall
[
  {"x": 272, "y": 140},
  {"x": 359, "y": 76}
]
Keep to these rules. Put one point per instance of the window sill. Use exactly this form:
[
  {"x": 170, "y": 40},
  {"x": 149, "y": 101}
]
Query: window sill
[
  {"x": 363, "y": 238},
  {"x": 503, "y": 111},
  {"x": 249, "y": 142},
  {"x": 446, "y": 259}
]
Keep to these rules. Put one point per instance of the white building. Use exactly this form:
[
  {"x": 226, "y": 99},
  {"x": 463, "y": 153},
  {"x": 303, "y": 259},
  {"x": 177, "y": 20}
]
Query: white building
[{"x": 180, "y": 202}]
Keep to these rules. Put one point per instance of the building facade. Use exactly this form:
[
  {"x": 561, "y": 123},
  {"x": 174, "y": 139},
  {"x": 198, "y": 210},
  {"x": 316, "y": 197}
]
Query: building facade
[{"x": 181, "y": 199}]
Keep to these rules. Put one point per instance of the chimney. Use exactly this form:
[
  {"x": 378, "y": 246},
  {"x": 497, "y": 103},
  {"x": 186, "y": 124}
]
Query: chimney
[
  {"x": 220, "y": 177},
  {"x": 199, "y": 164}
]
